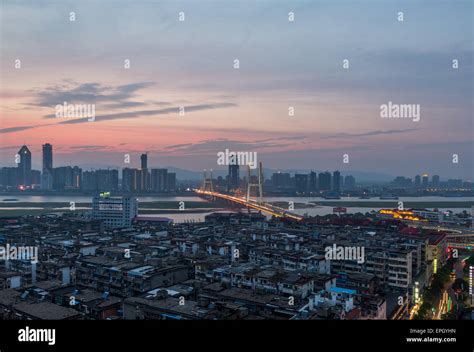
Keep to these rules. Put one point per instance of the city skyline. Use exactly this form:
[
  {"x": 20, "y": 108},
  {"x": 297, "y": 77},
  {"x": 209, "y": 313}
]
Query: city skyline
[
  {"x": 142, "y": 159},
  {"x": 336, "y": 110}
]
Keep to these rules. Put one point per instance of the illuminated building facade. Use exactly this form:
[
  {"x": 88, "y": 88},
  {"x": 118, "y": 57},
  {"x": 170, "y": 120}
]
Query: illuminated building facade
[{"x": 399, "y": 214}]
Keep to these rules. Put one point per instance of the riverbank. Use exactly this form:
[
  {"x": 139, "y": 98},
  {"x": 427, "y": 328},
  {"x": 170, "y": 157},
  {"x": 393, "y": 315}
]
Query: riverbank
[
  {"x": 285, "y": 205},
  {"x": 158, "y": 207},
  {"x": 154, "y": 205},
  {"x": 394, "y": 204}
]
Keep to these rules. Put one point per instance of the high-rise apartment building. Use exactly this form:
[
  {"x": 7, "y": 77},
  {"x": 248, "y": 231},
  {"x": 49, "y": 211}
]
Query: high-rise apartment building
[
  {"x": 47, "y": 171},
  {"x": 233, "y": 180},
  {"x": 336, "y": 181},
  {"x": 159, "y": 180},
  {"x": 324, "y": 181}
]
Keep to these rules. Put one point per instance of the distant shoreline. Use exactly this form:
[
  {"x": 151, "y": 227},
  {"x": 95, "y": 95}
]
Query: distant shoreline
[
  {"x": 92, "y": 194},
  {"x": 394, "y": 204},
  {"x": 167, "y": 204}
]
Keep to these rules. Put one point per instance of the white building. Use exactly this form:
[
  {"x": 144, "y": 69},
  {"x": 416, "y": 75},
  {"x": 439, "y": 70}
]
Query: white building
[{"x": 115, "y": 212}]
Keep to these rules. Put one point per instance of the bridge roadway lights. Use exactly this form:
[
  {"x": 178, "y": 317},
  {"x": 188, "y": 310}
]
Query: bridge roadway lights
[{"x": 266, "y": 208}]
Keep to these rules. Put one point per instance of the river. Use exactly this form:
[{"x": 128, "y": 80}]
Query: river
[{"x": 196, "y": 217}]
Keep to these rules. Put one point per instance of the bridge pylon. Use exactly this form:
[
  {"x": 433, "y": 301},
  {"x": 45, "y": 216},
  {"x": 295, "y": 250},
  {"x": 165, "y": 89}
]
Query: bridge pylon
[
  {"x": 257, "y": 185},
  {"x": 207, "y": 182}
]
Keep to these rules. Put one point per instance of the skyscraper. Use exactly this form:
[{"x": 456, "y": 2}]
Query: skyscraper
[
  {"x": 349, "y": 182},
  {"x": 324, "y": 181},
  {"x": 313, "y": 181},
  {"x": 89, "y": 181},
  {"x": 233, "y": 178},
  {"x": 47, "y": 172},
  {"x": 24, "y": 167},
  {"x": 435, "y": 181},
  {"x": 143, "y": 180},
  {"x": 35, "y": 178},
  {"x": 171, "y": 182},
  {"x": 424, "y": 181},
  {"x": 107, "y": 180},
  {"x": 144, "y": 161},
  {"x": 130, "y": 180},
  {"x": 144, "y": 176},
  {"x": 77, "y": 177},
  {"x": 9, "y": 177},
  {"x": 336, "y": 181},
  {"x": 159, "y": 180},
  {"x": 417, "y": 181},
  {"x": 47, "y": 156},
  {"x": 301, "y": 183},
  {"x": 67, "y": 177},
  {"x": 281, "y": 180}
]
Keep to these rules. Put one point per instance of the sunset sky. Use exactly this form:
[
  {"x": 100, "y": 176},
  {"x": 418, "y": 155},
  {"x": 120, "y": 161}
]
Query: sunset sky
[{"x": 282, "y": 64}]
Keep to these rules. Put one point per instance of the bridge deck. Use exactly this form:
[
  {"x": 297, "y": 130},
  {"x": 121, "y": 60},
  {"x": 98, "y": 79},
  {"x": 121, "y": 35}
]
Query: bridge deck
[{"x": 263, "y": 207}]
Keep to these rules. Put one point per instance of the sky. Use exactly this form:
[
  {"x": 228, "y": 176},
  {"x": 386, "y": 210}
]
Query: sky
[{"x": 282, "y": 64}]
